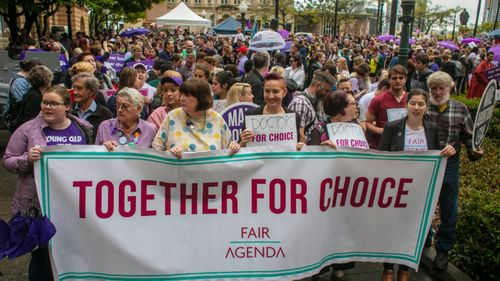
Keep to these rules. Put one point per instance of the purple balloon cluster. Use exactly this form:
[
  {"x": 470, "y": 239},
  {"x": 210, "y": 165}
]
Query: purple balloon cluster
[{"x": 23, "y": 234}]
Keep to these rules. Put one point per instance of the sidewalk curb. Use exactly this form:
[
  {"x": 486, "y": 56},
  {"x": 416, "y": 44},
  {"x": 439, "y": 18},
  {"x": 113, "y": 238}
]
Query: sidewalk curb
[{"x": 450, "y": 274}]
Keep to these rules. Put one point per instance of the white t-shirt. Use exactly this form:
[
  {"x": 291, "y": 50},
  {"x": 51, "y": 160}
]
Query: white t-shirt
[{"x": 415, "y": 140}]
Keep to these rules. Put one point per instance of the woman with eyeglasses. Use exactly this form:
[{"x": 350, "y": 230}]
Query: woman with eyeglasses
[
  {"x": 295, "y": 71},
  {"x": 127, "y": 128},
  {"x": 53, "y": 126}
]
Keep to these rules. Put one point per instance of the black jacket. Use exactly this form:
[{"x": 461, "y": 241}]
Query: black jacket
[
  {"x": 393, "y": 136},
  {"x": 257, "y": 82},
  {"x": 96, "y": 118}
]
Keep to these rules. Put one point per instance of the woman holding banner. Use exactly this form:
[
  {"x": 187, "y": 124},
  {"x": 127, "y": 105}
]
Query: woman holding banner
[
  {"x": 195, "y": 126},
  {"x": 274, "y": 92},
  {"x": 340, "y": 106},
  {"x": 412, "y": 133},
  {"x": 53, "y": 126},
  {"x": 127, "y": 128}
]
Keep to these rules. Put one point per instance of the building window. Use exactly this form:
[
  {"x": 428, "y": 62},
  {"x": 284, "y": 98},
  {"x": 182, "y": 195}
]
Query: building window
[
  {"x": 197, "y": 1},
  {"x": 185, "y": 1},
  {"x": 223, "y": 2},
  {"x": 236, "y": 2},
  {"x": 209, "y": 1},
  {"x": 171, "y": 1}
]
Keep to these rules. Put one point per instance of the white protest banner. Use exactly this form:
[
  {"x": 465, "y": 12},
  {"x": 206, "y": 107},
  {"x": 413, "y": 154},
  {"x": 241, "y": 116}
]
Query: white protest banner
[
  {"x": 263, "y": 213},
  {"x": 345, "y": 134},
  {"x": 484, "y": 114},
  {"x": 395, "y": 114},
  {"x": 272, "y": 129}
]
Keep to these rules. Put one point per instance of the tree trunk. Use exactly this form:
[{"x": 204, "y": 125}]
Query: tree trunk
[
  {"x": 38, "y": 30},
  {"x": 30, "y": 20},
  {"x": 12, "y": 22}
]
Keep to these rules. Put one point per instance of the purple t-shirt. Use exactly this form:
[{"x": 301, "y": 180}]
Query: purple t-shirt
[{"x": 69, "y": 136}]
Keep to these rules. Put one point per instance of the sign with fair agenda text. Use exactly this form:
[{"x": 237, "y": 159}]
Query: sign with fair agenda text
[
  {"x": 484, "y": 114},
  {"x": 346, "y": 134},
  {"x": 395, "y": 114},
  {"x": 272, "y": 129},
  {"x": 234, "y": 115},
  {"x": 214, "y": 216}
]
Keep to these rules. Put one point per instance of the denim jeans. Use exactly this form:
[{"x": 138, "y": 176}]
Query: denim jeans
[{"x": 448, "y": 204}]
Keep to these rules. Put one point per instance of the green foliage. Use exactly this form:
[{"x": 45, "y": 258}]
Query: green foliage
[
  {"x": 477, "y": 251},
  {"x": 473, "y": 104}
]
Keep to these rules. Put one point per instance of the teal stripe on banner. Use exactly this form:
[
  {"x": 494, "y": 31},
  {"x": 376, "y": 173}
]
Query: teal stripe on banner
[{"x": 229, "y": 274}]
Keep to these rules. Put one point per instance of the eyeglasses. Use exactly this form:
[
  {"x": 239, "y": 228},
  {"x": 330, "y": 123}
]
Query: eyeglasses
[
  {"x": 51, "y": 104},
  {"x": 122, "y": 106}
]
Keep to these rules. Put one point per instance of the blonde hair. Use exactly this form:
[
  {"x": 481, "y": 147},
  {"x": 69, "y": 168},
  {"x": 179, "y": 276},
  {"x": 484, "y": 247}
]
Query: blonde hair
[
  {"x": 235, "y": 92},
  {"x": 278, "y": 69},
  {"x": 172, "y": 73},
  {"x": 440, "y": 78},
  {"x": 81, "y": 66}
]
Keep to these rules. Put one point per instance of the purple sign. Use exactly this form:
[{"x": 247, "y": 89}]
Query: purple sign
[
  {"x": 493, "y": 74},
  {"x": 234, "y": 115},
  {"x": 116, "y": 61},
  {"x": 147, "y": 63}
]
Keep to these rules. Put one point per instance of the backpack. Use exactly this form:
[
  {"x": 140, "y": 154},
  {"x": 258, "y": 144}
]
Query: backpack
[{"x": 14, "y": 115}]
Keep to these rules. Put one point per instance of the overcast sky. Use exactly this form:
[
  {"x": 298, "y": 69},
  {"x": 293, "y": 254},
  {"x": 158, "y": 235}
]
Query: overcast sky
[{"x": 470, "y": 5}]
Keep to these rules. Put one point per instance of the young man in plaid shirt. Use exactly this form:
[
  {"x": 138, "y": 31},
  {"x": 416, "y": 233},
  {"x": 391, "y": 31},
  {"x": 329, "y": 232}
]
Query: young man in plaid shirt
[{"x": 455, "y": 128}]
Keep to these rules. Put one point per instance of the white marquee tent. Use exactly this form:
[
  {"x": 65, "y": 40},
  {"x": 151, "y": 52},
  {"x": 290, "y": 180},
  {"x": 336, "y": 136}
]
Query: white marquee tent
[{"x": 183, "y": 16}]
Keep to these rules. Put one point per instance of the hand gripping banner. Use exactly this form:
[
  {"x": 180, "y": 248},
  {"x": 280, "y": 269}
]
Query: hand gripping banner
[{"x": 263, "y": 213}]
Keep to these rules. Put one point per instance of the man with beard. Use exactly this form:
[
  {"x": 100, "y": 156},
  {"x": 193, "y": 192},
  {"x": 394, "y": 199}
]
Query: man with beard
[
  {"x": 305, "y": 104},
  {"x": 455, "y": 127}
]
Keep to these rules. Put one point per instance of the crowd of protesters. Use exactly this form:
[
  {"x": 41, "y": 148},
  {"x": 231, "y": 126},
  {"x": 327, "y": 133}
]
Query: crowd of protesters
[{"x": 175, "y": 105}]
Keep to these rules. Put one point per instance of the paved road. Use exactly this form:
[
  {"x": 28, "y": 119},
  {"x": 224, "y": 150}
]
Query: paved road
[{"x": 17, "y": 270}]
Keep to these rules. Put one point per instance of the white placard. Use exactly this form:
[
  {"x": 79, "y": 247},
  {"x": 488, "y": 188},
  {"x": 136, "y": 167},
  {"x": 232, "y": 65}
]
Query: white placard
[
  {"x": 396, "y": 113},
  {"x": 272, "y": 129},
  {"x": 344, "y": 134}
]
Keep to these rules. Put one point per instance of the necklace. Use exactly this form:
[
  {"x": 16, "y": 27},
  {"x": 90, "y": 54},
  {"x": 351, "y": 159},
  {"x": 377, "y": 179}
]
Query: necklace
[{"x": 190, "y": 122}]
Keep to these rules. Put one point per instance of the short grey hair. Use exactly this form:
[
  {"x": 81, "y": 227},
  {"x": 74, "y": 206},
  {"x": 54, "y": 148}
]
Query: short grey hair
[
  {"x": 40, "y": 76},
  {"x": 440, "y": 78},
  {"x": 90, "y": 81},
  {"x": 133, "y": 95}
]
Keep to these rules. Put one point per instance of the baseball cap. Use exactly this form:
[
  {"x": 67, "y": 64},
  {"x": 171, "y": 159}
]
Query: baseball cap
[
  {"x": 176, "y": 80},
  {"x": 243, "y": 49}
]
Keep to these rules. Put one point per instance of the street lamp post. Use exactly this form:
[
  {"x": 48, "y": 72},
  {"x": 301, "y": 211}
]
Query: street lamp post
[
  {"x": 243, "y": 10},
  {"x": 477, "y": 17},
  {"x": 406, "y": 19},
  {"x": 68, "y": 12}
]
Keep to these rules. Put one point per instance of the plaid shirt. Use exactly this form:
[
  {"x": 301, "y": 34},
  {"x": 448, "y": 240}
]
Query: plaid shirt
[
  {"x": 301, "y": 104},
  {"x": 455, "y": 124}
]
